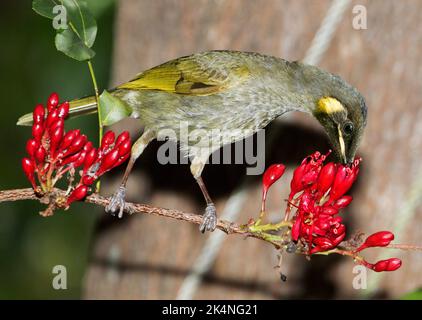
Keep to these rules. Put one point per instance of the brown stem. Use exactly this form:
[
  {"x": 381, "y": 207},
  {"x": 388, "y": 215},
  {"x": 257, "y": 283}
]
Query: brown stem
[
  {"x": 405, "y": 247},
  {"x": 225, "y": 226}
]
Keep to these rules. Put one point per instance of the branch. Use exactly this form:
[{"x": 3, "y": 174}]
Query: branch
[
  {"x": 224, "y": 225},
  {"x": 227, "y": 227}
]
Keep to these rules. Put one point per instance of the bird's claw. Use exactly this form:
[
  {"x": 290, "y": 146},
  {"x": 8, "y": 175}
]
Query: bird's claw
[
  {"x": 117, "y": 202},
  {"x": 209, "y": 220}
]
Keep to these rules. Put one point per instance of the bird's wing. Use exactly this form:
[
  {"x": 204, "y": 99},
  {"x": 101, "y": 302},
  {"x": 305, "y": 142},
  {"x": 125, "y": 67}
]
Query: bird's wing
[{"x": 191, "y": 75}]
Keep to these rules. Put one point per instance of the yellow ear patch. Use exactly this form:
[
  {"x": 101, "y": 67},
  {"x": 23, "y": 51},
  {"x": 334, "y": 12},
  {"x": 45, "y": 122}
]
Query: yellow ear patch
[{"x": 329, "y": 105}]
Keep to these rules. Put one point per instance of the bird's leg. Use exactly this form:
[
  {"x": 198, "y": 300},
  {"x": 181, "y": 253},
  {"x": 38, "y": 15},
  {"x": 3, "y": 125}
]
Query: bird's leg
[
  {"x": 117, "y": 201},
  {"x": 209, "y": 220}
]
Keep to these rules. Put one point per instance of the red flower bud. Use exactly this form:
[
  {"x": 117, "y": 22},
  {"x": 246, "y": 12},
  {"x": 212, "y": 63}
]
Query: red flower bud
[
  {"x": 56, "y": 124},
  {"x": 63, "y": 110},
  {"x": 391, "y": 264},
  {"x": 40, "y": 154},
  {"x": 52, "y": 117},
  {"x": 339, "y": 177},
  {"x": 323, "y": 224},
  {"x": 38, "y": 114},
  {"x": 80, "y": 159},
  {"x": 344, "y": 179},
  {"x": 318, "y": 230},
  {"x": 296, "y": 228},
  {"x": 71, "y": 159},
  {"x": 90, "y": 159},
  {"x": 88, "y": 146},
  {"x": 31, "y": 146},
  {"x": 326, "y": 177},
  {"x": 329, "y": 210},
  {"x": 324, "y": 244},
  {"x": 124, "y": 136},
  {"x": 29, "y": 168},
  {"x": 68, "y": 139},
  {"x": 55, "y": 138},
  {"x": 37, "y": 131},
  {"x": 378, "y": 239},
  {"x": 78, "y": 194},
  {"x": 88, "y": 180},
  {"x": 107, "y": 140},
  {"x": 339, "y": 230},
  {"x": 271, "y": 175},
  {"x": 53, "y": 101},
  {"x": 77, "y": 144},
  {"x": 108, "y": 162},
  {"x": 121, "y": 160},
  {"x": 124, "y": 148},
  {"x": 296, "y": 182},
  {"x": 307, "y": 202},
  {"x": 307, "y": 173},
  {"x": 336, "y": 241},
  {"x": 343, "y": 202}
]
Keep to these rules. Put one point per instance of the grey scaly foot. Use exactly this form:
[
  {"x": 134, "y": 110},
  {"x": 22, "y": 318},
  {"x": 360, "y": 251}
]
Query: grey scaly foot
[
  {"x": 209, "y": 219},
  {"x": 117, "y": 202}
]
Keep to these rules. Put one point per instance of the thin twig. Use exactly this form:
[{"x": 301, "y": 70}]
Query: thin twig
[
  {"x": 404, "y": 247},
  {"x": 224, "y": 225}
]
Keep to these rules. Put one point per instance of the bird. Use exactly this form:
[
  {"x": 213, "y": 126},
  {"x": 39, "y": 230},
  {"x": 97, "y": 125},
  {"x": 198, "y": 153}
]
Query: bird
[{"x": 231, "y": 91}]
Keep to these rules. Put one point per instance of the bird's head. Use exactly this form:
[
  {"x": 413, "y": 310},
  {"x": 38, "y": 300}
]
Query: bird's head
[
  {"x": 340, "y": 109},
  {"x": 344, "y": 120}
]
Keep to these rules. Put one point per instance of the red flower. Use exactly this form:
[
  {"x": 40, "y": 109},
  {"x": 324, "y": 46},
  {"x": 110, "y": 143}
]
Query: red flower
[
  {"x": 326, "y": 177},
  {"x": 378, "y": 239},
  {"x": 53, "y": 152},
  {"x": 77, "y": 194},
  {"x": 271, "y": 175},
  {"x": 318, "y": 193},
  {"x": 307, "y": 173},
  {"x": 344, "y": 179},
  {"x": 322, "y": 188},
  {"x": 391, "y": 264}
]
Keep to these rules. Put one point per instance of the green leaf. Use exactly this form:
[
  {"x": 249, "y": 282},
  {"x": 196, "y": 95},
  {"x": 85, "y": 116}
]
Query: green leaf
[
  {"x": 78, "y": 36},
  {"x": 68, "y": 43},
  {"x": 112, "y": 109},
  {"x": 44, "y": 8},
  {"x": 81, "y": 21}
]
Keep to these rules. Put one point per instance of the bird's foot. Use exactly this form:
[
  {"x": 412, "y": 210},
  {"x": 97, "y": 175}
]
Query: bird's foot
[
  {"x": 117, "y": 202},
  {"x": 209, "y": 219}
]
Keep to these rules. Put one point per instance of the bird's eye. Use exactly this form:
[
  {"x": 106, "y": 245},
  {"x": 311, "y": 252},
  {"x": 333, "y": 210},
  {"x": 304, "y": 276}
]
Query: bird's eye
[{"x": 348, "y": 128}]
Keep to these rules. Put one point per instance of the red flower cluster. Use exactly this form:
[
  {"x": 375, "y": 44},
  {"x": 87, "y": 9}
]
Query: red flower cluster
[
  {"x": 53, "y": 152},
  {"x": 322, "y": 191},
  {"x": 318, "y": 192}
]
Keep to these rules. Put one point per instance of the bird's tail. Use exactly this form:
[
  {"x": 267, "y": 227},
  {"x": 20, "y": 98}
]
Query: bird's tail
[{"x": 77, "y": 107}]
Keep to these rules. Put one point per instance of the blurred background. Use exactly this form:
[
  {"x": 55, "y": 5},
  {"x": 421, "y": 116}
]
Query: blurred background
[{"x": 145, "y": 257}]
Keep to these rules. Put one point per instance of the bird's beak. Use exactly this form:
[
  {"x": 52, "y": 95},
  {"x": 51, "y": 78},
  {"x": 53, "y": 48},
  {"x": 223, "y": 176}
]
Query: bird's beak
[{"x": 342, "y": 145}]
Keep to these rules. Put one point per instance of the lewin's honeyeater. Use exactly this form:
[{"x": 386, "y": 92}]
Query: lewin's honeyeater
[{"x": 231, "y": 90}]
